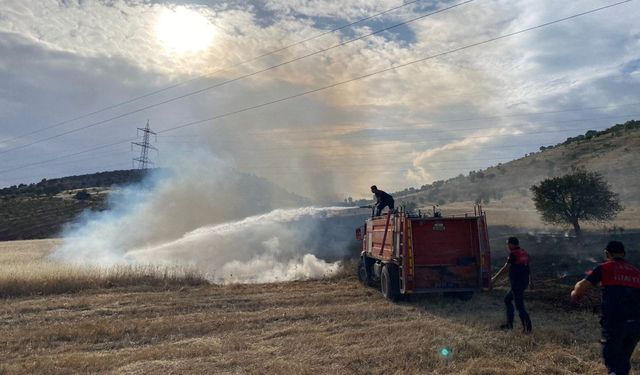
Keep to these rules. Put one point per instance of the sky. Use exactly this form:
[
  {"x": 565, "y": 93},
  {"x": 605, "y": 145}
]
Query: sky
[{"x": 267, "y": 87}]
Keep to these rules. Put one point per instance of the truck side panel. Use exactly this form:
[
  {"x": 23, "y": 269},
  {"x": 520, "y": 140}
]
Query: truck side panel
[
  {"x": 432, "y": 254},
  {"x": 446, "y": 253},
  {"x": 377, "y": 234}
]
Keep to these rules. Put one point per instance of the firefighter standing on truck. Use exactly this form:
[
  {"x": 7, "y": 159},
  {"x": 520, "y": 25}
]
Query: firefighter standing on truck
[
  {"x": 382, "y": 200},
  {"x": 519, "y": 278},
  {"x": 620, "y": 318}
]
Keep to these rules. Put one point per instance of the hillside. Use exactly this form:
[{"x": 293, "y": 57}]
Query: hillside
[
  {"x": 57, "y": 185},
  {"x": 41, "y": 210},
  {"x": 613, "y": 153},
  {"x": 44, "y": 216}
]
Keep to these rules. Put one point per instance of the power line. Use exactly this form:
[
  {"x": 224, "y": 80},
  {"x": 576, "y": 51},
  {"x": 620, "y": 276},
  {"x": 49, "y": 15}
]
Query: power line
[
  {"x": 129, "y": 140},
  {"x": 306, "y": 130},
  {"x": 281, "y": 148},
  {"x": 395, "y": 67},
  {"x": 99, "y": 147},
  {"x": 417, "y": 124},
  {"x": 344, "y": 165},
  {"x": 55, "y": 154},
  {"x": 368, "y": 143},
  {"x": 92, "y": 157},
  {"x": 421, "y": 131},
  {"x": 230, "y": 66},
  {"x": 239, "y": 78},
  {"x": 359, "y": 165}
]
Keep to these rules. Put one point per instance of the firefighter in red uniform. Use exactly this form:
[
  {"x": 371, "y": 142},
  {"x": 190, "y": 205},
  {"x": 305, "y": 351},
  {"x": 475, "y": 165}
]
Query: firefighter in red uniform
[
  {"x": 620, "y": 318},
  {"x": 519, "y": 278}
]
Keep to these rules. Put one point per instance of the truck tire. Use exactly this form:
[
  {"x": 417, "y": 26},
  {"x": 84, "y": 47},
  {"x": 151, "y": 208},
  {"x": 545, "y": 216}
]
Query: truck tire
[
  {"x": 390, "y": 282},
  {"x": 364, "y": 275}
]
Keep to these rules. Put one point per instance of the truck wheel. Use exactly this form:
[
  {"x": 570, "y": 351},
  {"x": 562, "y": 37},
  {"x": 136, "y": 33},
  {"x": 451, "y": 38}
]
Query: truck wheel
[
  {"x": 389, "y": 282},
  {"x": 363, "y": 275}
]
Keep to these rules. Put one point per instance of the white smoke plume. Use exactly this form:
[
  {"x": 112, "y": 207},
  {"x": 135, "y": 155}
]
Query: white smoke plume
[
  {"x": 260, "y": 248},
  {"x": 210, "y": 217}
]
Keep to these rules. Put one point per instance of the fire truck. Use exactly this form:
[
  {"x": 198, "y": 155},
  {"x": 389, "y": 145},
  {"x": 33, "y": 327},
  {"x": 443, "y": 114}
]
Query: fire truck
[{"x": 411, "y": 254}]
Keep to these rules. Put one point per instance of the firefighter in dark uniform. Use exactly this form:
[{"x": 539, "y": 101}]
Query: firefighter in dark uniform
[
  {"x": 620, "y": 318},
  {"x": 519, "y": 279},
  {"x": 382, "y": 200}
]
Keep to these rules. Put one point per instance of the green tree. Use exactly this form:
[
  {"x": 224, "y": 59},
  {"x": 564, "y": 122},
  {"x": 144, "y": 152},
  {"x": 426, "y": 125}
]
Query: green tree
[
  {"x": 577, "y": 196},
  {"x": 82, "y": 195}
]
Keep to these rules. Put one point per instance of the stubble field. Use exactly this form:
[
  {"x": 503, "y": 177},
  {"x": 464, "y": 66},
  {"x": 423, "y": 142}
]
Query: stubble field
[{"x": 333, "y": 326}]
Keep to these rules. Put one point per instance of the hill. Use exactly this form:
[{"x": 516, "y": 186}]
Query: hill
[
  {"x": 506, "y": 187},
  {"x": 40, "y": 210},
  {"x": 57, "y": 185}
]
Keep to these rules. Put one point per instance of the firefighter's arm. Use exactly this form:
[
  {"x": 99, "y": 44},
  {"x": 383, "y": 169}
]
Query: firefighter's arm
[
  {"x": 581, "y": 288},
  {"x": 500, "y": 273}
]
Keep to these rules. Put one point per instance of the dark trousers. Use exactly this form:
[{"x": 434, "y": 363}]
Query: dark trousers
[
  {"x": 380, "y": 206},
  {"x": 516, "y": 295},
  {"x": 618, "y": 342}
]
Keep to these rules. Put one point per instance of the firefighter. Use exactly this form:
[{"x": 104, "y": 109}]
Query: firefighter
[
  {"x": 382, "y": 200},
  {"x": 519, "y": 279},
  {"x": 620, "y": 311}
]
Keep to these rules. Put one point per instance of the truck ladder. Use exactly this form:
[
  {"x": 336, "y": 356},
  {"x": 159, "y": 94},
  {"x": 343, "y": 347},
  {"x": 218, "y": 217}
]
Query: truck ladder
[{"x": 386, "y": 229}]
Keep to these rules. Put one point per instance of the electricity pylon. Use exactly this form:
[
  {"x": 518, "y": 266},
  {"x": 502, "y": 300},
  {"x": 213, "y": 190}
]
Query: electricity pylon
[{"x": 143, "y": 160}]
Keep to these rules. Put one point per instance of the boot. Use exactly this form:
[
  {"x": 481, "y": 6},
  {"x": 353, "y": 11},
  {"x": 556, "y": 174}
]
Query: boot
[
  {"x": 526, "y": 325},
  {"x": 506, "y": 326}
]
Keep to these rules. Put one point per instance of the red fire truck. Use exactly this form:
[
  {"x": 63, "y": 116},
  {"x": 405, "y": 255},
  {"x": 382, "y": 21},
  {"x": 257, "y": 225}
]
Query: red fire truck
[{"x": 412, "y": 254}]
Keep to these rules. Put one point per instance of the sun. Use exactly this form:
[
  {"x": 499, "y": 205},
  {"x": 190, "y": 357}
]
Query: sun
[{"x": 184, "y": 31}]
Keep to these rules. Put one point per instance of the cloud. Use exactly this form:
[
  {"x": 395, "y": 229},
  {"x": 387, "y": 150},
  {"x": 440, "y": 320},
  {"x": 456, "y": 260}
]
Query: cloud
[
  {"x": 348, "y": 10},
  {"x": 332, "y": 143},
  {"x": 427, "y": 163}
]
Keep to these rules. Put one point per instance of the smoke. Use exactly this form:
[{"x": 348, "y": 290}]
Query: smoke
[
  {"x": 230, "y": 226},
  {"x": 278, "y": 245}
]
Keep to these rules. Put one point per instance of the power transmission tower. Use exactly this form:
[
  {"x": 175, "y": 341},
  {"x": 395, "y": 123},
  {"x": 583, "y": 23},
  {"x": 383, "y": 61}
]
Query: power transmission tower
[{"x": 143, "y": 160}]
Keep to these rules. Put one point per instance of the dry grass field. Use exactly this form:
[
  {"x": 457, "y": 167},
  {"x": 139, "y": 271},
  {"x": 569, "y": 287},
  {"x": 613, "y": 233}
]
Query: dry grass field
[
  {"x": 333, "y": 326},
  {"x": 520, "y": 212},
  {"x": 25, "y": 270}
]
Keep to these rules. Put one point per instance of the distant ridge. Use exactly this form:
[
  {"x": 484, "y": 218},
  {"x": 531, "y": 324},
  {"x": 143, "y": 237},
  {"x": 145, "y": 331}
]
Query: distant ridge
[{"x": 56, "y": 185}]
